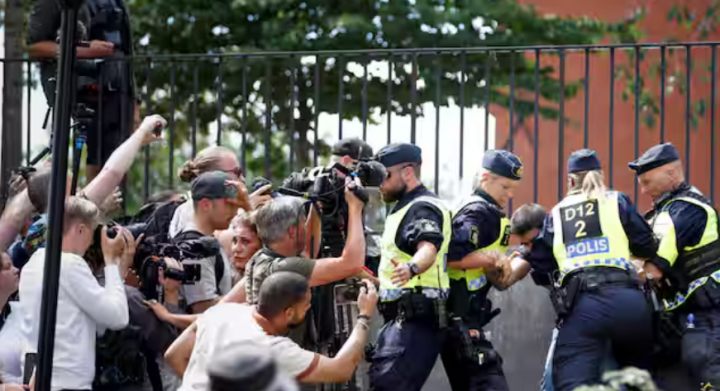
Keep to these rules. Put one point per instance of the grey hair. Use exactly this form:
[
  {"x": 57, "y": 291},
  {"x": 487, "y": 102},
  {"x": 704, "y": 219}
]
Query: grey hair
[{"x": 277, "y": 217}]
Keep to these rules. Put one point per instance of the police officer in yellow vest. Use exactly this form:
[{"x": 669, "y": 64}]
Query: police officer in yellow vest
[
  {"x": 590, "y": 236},
  {"x": 413, "y": 277},
  {"x": 686, "y": 224},
  {"x": 480, "y": 227}
]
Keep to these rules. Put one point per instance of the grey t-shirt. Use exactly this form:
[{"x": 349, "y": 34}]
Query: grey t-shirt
[
  {"x": 208, "y": 287},
  {"x": 266, "y": 262}
]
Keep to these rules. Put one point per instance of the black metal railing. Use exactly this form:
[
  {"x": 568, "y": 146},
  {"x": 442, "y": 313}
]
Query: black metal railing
[{"x": 280, "y": 109}]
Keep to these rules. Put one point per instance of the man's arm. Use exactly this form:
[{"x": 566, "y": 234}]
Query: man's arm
[
  {"x": 178, "y": 354},
  {"x": 43, "y": 26},
  {"x": 18, "y": 211},
  {"x": 107, "y": 306},
  {"x": 120, "y": 161},
  {"x": 473, "y": 228},
  {"x": 339, "y": 369},
  {"x": 350, "y": 263},
  {"x": 421, "y": 234},
  {"x": 642, "y": 240},
  {"x": 541, "y": 256}
]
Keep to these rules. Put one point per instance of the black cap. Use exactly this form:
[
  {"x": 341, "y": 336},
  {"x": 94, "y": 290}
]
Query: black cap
[
  {"x": 583, "y": 160},
  {"x": 655, "y": 157},
  {"x": 394, "y": 154},
  {"x": 353, "y": 147},
  {"x": 503, "y": 163},
  {"x": 213, "y": 185}
]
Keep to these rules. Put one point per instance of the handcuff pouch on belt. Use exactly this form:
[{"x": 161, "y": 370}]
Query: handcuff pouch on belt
[
  {"x": 563, "y": 297},
  {"x": 415, "y": 306}
]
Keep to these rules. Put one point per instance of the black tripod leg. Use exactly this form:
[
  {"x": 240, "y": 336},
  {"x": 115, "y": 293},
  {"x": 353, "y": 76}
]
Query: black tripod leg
[{"x": 79, "y": 142}]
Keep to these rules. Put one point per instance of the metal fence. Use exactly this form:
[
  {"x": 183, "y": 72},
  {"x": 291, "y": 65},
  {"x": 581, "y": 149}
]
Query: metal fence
[{"x": 280, "y": 109}]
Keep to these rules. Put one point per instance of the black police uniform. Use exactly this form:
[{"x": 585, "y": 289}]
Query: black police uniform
[
  {"x": 477, "y": 225},
  {"x": 407, "y": 348},
  {"x": 687, "y": 227},
  {"x": 604, "y": 305}
]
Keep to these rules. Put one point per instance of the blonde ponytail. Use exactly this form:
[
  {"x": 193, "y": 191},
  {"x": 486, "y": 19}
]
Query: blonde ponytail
[{"x": 589, "y": 183}]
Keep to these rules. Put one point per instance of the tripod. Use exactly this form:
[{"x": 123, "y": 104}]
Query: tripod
[{"x": 83, "y": 116}]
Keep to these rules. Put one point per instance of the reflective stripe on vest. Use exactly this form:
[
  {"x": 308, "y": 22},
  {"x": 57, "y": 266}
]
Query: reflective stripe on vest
[
  {"x": 434, "y": 281},
  {"x": 476, "y": 278},
  {"x": 664, "y": 229},
  {"x": 589, "y": 233}
]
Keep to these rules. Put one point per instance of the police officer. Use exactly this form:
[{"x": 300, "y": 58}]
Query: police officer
[
  {"x": 413, "y": 277},
  {"x": 686, "y": 225},
  {"x": 589, "y": 237},
  {"x": 479, "y": 226}
]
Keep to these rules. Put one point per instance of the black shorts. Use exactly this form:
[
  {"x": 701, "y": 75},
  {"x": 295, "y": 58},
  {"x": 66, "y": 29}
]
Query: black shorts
[{"x": 111, "y": 125}]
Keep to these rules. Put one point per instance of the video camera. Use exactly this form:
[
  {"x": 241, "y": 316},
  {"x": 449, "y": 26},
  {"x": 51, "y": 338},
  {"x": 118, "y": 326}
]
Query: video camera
[{"x": 326, "y": 185}]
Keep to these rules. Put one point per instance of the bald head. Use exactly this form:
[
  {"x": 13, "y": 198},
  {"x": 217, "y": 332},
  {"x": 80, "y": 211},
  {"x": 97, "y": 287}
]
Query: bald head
[{"x": 661, "y": 180}]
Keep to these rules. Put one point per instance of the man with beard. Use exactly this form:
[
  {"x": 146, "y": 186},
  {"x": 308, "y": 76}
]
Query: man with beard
[
  {"x": 283, "y": 302},
  {"x": 413, "y": 275}
]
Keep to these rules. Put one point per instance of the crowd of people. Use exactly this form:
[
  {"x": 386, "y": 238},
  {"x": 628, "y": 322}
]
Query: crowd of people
[{"x": 214, "y": 289}]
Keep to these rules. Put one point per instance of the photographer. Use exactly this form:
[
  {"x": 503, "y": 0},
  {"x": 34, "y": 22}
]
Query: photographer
[
  {"x": 85, "y": 305},
  {"x": 107, "y": 28},
  {"x": 282, "y": 304},
  {"x": 281, "y": 228},
  {"x": 215, "y": 203}
]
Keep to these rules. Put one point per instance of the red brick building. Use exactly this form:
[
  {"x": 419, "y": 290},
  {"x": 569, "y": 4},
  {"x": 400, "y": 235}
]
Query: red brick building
[{"x": 657, "y": 28}]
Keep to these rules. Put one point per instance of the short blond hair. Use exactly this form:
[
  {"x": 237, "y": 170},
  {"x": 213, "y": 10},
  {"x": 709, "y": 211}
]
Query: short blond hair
[{"x": 80, "y": 210}]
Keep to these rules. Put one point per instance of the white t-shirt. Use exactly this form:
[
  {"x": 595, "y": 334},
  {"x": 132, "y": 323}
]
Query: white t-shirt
[
  {"x": 183, "y": 218},
  {"x": 228, "y": 324}
]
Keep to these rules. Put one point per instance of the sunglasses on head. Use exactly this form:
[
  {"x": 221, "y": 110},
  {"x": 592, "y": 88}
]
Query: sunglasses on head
[{"x": 238, "y": 171}]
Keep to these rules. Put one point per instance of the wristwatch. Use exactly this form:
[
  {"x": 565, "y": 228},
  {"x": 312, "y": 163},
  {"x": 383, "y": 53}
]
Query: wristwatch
[{"x": 414, "y": 269}]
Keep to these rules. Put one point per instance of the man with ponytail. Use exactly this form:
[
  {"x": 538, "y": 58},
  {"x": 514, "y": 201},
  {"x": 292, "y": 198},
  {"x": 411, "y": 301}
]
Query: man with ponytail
[{"x": 588, "y": 240}]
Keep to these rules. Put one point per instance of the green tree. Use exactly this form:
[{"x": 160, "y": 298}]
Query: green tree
[{"x": 278, "y": 91}]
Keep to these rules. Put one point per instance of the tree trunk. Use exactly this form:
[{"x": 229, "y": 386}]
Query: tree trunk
[{"x": 12, "y": 94}]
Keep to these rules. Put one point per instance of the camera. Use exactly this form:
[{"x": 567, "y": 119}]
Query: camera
[{"x": 349, "y": 292}]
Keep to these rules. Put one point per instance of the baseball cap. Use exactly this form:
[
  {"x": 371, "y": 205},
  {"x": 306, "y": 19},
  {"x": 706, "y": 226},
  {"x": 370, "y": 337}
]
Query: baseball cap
[
  {"x": 353, "y": 147},
  {"x": 213, "y": 185}
]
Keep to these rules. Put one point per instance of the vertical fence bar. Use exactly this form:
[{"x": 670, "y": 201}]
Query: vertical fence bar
[
  {"x": 586, "y": 136},
  {"x": 688, "y": 108},
  {"x": 171, "y": 138},
  {"x": 611, "y": 115},
  {"x": 488, "y": 96},
  {"x": 99, "y": 130},
  {"x": 663, "y": 77},
  {"x": 561, "y": 126},
  {"x": 511, "y": 111},
  {"x": 364, "y": 98},
  {"x": 637, "y": 115},
  {"x": 148, "y": 111},
  {"x": 536, "y": 115},
  {"x": 463, "y": 70},
  {"x": 196, "y": 87},
  {"x": 268, "y": 118},
  {"x": 341, "y": 92},
  {"x": 316, "y": 103},
  {"x": 413, "y": 98},
  {"x": 244, "y": 129},
  {"x": 29, "y": 117},
  {"x": 390, "y": 81},
  {"x": 293, "y": 99},
  {"x": 437, "y": 124},
  {"x": 219, "y": 90},
  {"x": 713, "y": 87},
  {"x": 511, "y": 114}
]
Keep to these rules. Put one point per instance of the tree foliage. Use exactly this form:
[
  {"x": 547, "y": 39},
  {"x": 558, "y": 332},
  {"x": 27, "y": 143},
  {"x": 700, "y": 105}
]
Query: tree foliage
[{"x": 274, "y": 98}]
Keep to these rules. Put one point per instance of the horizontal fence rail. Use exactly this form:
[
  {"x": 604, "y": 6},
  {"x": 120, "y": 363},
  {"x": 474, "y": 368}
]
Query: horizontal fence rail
[{"x": 281, "y": 110}]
